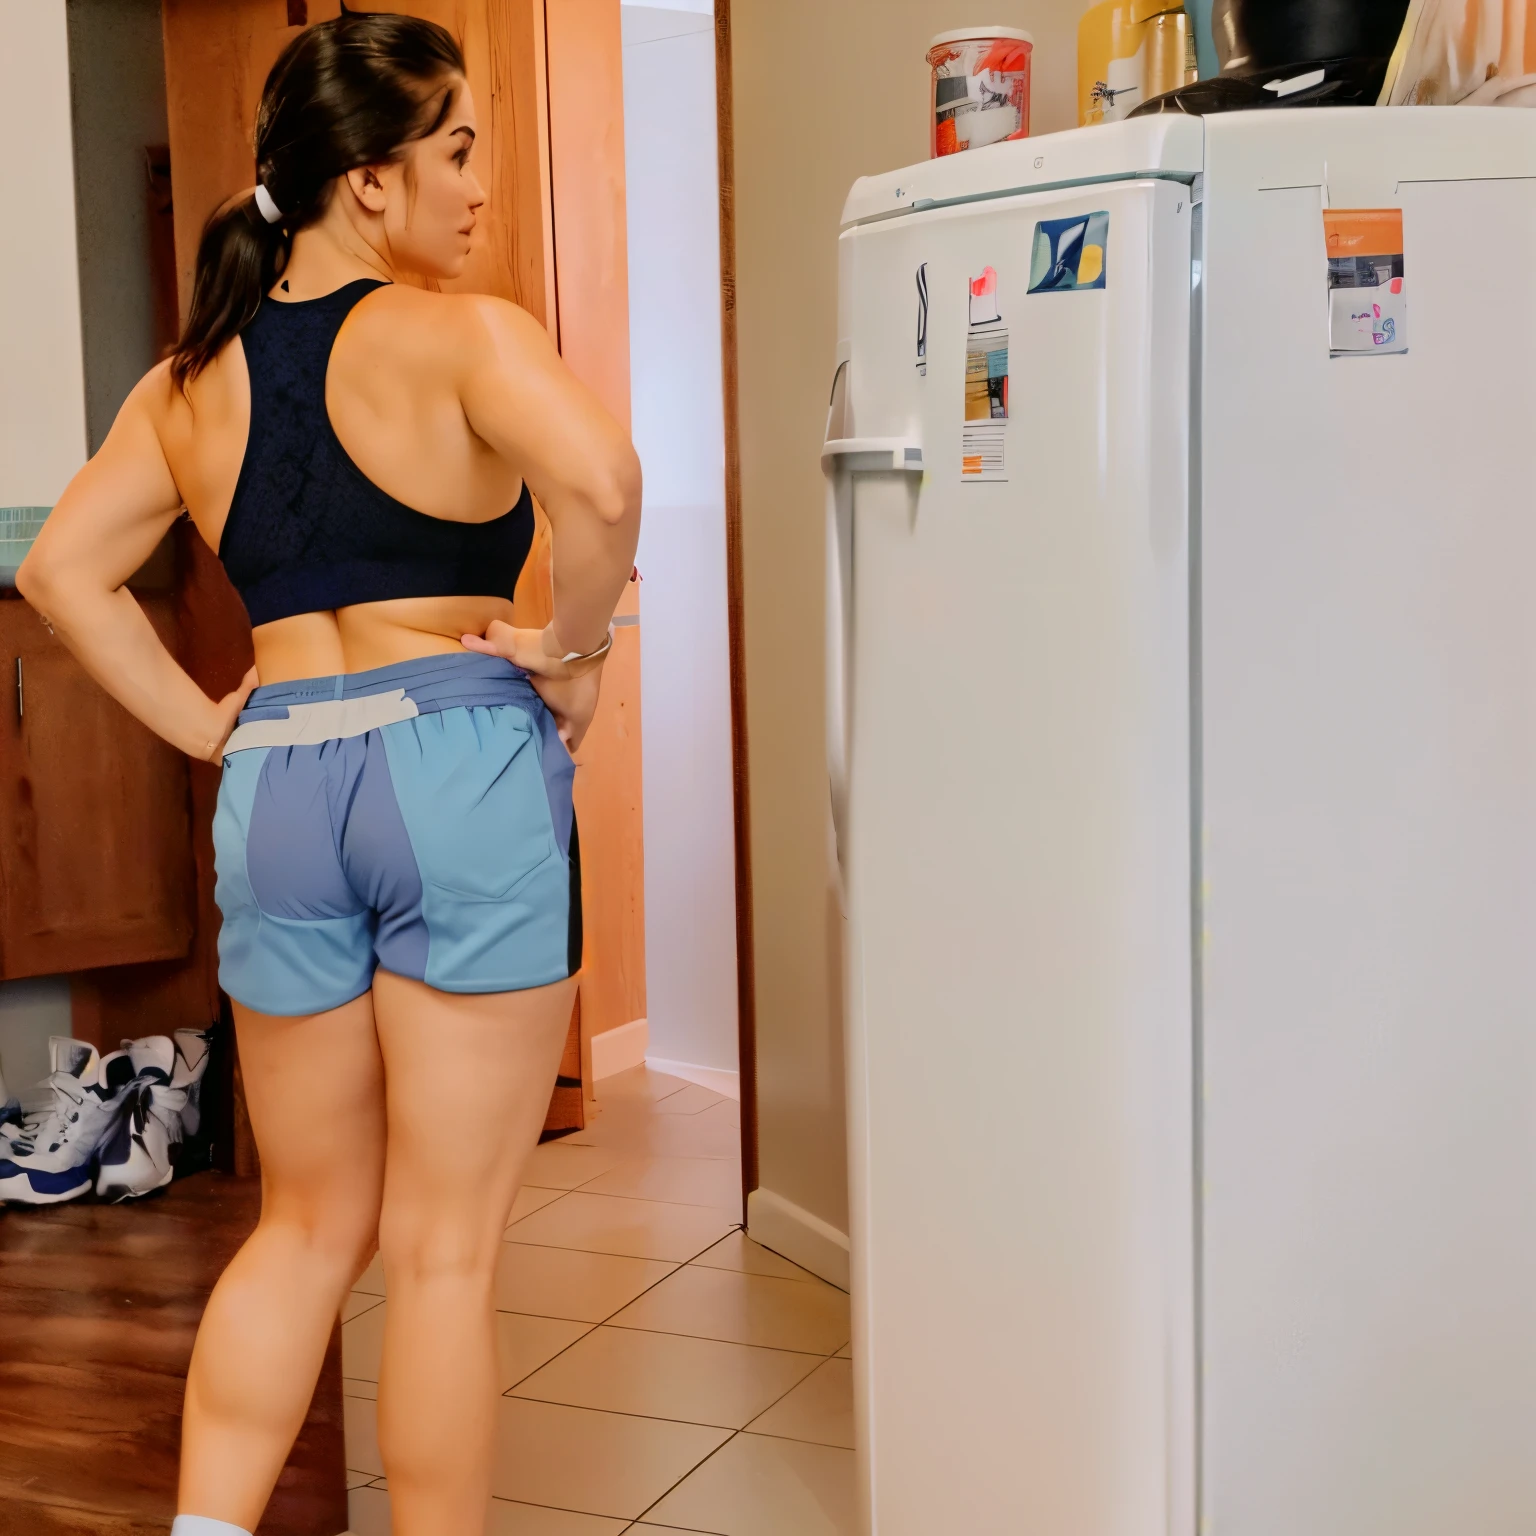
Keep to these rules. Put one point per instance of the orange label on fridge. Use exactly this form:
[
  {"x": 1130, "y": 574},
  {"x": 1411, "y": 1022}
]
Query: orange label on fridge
[
  {"x": 1367, "y": 304},
  {"x": 1363, "y": 231}
]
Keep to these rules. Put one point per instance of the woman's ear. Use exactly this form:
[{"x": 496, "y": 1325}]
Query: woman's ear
[{"x": 367, "y": 188}]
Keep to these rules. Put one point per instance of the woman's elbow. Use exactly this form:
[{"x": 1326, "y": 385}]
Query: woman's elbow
[{"x": 34, "y": 580}]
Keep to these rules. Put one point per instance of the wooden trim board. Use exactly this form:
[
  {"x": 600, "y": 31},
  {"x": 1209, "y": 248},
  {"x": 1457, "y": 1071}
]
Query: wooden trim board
[{"x": 746, "y": 981}]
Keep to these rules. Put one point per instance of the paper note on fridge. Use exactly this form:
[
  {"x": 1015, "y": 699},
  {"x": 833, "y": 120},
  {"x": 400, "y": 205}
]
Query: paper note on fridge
[
  {"x": 1367, "y": 301},
  {"x": 983, "y": 438}
]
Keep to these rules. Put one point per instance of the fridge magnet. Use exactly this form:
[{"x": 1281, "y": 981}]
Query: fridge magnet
[
  {"x": 1069, "y": 254},
  {"x": 1367, "y": 307},
  {"x": 986, "y": 385}
]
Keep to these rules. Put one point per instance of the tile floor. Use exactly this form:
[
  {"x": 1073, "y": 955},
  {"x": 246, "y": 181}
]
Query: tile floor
[{"x": 660, "y": 1371}]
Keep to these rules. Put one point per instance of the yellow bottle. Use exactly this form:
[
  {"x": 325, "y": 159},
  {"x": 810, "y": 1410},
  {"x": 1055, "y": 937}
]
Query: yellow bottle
[{"x": 1127, "y": 51}]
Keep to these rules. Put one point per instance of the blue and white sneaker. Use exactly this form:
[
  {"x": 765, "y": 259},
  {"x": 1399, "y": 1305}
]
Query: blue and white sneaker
[
  {"x": 192, "y": 1046},
  {"x": 10, "y": 1110},
  {"x": 23, "y": 1117},
  {"x": 136, "y": 1158},
  {"x": 51, "y": 1157}
]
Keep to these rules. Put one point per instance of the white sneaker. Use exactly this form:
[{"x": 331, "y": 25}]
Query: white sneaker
[
  {"x": 136, "y": 1159},
  {"x": 51, "y": 1156},
  {"x": 24, "y": 1115},
  {"x": 10, "y": 1110},
  {"x": 192, "y": 1048}
]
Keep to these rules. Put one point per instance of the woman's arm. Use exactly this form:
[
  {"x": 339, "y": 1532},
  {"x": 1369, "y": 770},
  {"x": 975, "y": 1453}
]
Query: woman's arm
[
  {"x": 522, "y": 400},
  {"x": 105, "y": 526}
]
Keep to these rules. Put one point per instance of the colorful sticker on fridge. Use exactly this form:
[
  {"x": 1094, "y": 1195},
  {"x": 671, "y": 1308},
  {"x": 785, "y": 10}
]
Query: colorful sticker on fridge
[
  {"x": 986, "y": 384},
  {"x": 1070, "y": 254},
  {"x": 1367, "y": 307}
]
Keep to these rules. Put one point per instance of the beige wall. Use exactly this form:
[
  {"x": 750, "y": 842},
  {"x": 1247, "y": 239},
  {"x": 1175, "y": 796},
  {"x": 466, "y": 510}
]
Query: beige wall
[{"x": 825, "y": 91}]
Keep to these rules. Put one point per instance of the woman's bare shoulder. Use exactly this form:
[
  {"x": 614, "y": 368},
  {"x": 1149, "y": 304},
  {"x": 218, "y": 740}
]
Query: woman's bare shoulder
[
  {"x": 454, "y": 329},
  {"x": 219, "y": 393}
]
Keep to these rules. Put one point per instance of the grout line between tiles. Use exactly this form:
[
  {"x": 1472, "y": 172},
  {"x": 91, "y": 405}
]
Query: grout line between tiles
[
  {"x": 686, "y": 1475},
  {"x": 762, "y": 1434},
  {"x": 599, "y": 1253},
  {"x": 711, "y": 1338},
  {"x": 608, "y": 1321},
  {"x": 793, "y": 1387},
  {"x": 805, "y": 1277},
  {"x": 624, "y": 1413},
  {"x": 603, "y": 1194},
  {"x": 590, "y": 1329},
  {"x": 523, "y": 1242},
  {"x": 650, "y": 1151},
  {"x": 382, "y": 1484},
  {"x": 683, "y": 1530},
  {"x": 549, "y": 1317},
  {"x": 599, "y": 1324}
]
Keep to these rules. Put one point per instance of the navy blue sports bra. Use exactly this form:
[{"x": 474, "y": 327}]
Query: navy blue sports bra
[{"x": 307, "y": 529}]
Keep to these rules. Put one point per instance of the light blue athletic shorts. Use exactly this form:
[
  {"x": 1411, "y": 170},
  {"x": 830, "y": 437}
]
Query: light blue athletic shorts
[{"x": 416, "y": 817}]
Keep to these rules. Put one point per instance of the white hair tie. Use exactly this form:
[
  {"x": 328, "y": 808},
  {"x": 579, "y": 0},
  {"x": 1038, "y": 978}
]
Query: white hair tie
[{"x": 265, "y": 206}]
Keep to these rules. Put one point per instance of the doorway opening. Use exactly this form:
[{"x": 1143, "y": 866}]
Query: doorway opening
[{"x": 671, "y": 148}]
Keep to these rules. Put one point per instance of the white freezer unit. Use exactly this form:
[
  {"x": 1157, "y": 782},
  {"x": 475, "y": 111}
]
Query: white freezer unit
[{"x": 1182, "y": 776}]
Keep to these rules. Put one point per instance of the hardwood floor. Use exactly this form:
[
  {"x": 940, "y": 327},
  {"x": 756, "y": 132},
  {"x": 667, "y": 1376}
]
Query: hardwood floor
[{"x": 99, "y": 1305}]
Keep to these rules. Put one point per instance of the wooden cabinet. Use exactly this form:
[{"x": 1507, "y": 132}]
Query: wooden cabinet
[{"x": 95, "y": 838}]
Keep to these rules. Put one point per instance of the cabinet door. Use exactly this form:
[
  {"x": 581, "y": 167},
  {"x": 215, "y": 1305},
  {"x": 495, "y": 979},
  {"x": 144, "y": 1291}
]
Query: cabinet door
[{"x": 95, "y": 843}]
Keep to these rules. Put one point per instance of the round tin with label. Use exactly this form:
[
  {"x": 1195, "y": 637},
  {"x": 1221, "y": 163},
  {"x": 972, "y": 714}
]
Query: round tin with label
[{"x": 980, "y": 87}]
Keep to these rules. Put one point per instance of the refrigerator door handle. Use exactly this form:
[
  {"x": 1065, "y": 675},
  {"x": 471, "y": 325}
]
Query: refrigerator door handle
[
  {"x": 841, "y": 458},
  {"x": 873, "y": 453},
  {"x": 839, "y": 613}
]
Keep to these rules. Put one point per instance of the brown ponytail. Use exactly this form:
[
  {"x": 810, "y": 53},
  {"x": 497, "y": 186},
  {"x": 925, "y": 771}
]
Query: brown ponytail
[{"x": 345, "y": 93}]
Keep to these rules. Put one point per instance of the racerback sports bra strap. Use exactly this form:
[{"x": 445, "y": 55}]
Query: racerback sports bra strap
[{"x": 307, "y": 530}]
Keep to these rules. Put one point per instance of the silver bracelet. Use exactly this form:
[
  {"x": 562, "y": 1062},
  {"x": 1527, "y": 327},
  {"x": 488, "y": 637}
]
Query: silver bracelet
[{"x": 602, "y": 650}]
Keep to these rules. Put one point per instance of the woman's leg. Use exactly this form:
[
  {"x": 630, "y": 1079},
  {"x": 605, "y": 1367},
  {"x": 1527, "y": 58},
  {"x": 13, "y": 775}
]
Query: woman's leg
[
  {"x": 468, "y": 1084},
  {"x": 315, "y": 1090}
]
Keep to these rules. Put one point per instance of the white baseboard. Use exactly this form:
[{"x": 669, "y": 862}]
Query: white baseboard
[
  {"x": 617, "y": 1050},
  {"x": 798, "y": 1236},
  {"x": 717, "y": 1079}
]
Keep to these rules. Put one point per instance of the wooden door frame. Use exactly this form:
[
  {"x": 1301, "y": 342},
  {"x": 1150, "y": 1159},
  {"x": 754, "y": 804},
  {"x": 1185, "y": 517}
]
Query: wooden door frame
[{"x": 746, "y": 974}]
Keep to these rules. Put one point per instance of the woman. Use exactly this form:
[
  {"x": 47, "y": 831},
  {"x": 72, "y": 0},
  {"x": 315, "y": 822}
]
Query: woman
[{"x": 394, "y": 836}]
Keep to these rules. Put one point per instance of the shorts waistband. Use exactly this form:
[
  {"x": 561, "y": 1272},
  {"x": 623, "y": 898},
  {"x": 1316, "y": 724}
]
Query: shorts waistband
[{"x": 315, "y": 709}]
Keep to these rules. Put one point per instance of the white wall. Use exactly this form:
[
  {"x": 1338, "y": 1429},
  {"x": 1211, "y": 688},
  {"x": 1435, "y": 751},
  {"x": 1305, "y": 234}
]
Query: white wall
[{"x": 674, "y": 307}]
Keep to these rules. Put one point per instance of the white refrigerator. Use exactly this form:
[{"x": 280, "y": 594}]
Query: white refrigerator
[{"x": 1182, "y": 745}]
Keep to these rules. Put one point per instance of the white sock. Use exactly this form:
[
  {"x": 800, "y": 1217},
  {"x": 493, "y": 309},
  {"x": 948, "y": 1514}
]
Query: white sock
[{"x": 201, "y": 1525}]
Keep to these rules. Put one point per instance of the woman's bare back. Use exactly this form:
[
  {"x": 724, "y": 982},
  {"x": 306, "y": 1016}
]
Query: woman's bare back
[{"x": 393, "y": 397}]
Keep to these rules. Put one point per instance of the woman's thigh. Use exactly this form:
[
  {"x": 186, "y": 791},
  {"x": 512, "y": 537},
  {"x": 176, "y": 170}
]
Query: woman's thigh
[
  {"x": 314, "y": 1087},
  {"x": 468, "y": 1079}
]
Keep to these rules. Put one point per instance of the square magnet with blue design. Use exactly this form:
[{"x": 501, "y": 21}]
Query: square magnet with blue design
[{"x": 1070, "y": 255}]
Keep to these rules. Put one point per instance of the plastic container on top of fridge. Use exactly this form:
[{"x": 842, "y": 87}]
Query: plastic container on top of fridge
[{"x": 980, "y": 87}]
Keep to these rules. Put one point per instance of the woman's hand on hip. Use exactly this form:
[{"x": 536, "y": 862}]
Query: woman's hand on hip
[
  {"x": 537, "y": 651},
  {"x": 569, "y": 690},
  {"x": 227, "y": 715},
  {"x": 572, "y": 701}
]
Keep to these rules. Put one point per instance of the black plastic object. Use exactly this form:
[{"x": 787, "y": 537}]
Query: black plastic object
[
  {"x": 1344, "y": 83},
  {"x": 1273, "y": 38},
  {"x": 1206, "y": 96}
]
